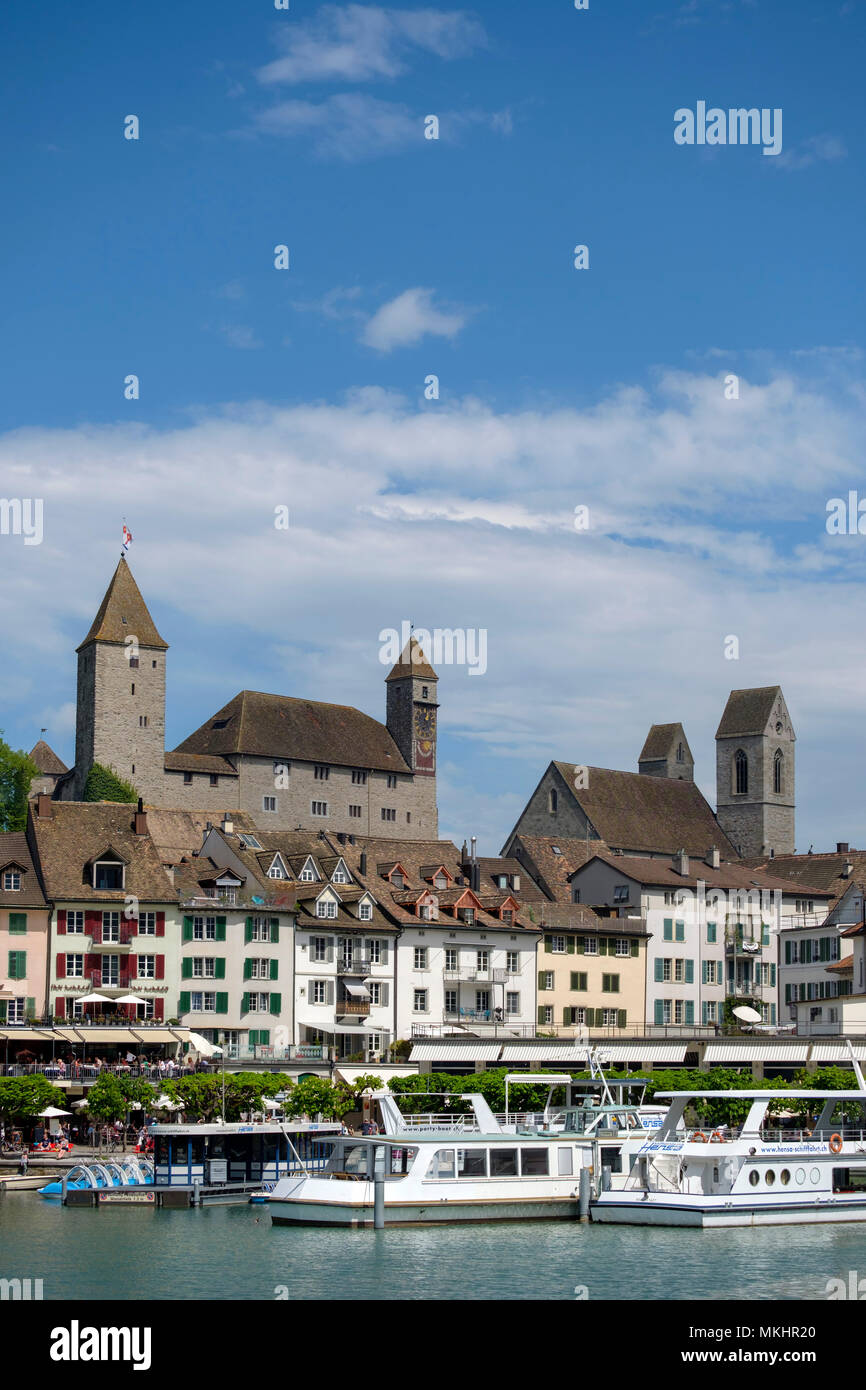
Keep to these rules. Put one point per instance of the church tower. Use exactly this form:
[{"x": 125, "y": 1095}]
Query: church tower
[
  {"x": 411, "y": 721},
  {"x": 755, "y": 772},
  {"x": 120, "y": 720},
  {"x": 666, "y": 753}
]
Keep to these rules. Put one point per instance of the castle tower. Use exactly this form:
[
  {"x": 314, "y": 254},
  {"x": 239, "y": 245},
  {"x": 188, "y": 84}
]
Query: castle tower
[
  {"x": 755, "y": 791},
  {"x": 411, "y": 721},
  {"x": 666, "y": 753},
  {"x": 120, "y": 720}
]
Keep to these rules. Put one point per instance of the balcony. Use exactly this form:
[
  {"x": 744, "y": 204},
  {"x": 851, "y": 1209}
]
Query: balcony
[
  {"x": 122, "y": 981},
  {"x": 114, "y": 938},
  {"x": 356, "y": 966},
  {"x": 355, "y": 1007}
]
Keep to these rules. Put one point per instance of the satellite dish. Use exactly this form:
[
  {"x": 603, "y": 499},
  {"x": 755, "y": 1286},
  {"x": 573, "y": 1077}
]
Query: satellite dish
[{"x": 746, "y": 1014}]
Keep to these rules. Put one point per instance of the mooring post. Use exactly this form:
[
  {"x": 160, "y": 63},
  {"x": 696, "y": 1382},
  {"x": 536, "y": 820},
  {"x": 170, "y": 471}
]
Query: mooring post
[
  {"x": 583, "y": 1199},
  {"x": 64, "y": 1183}
]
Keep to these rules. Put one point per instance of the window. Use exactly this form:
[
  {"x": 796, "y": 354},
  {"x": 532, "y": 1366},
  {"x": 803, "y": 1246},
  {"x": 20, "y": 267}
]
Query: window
[
  {"x": 261, "y": 929},
  {"x": 319, "y": 948},
  {"x": 319, "y": 991},
  {"x": 202, "y": 1003},
  {"x": 321, "y": 772},
  {"x": 107, "y": 876},
  {"x": 326, "y": 908},
  {"x": 365, "y": 912},
  {"x": 375, "y": 993},
  {"x": 620, "y": 892},
  {"x": 482, "y": 960},
  {"x": 622, "y": 946},
  {"x": 666, "y": 1010},
  {"x": 388, "y": 813},
  {"x": 450, "y": 958},
  {"x": 146, "y": 924},
  {"x": 546, "y": 1012},
  {"x": 778, "y": 781},
  {"x": 610, "y": 984},
  {"x": 145, "y": 1009},
  {"x": 355, "y": 812},
  {"x": 472, "y": 1163},
  {"x": 110, "y": 970},
  {"x": 111, "y": 926},
  {"x": 276, "y": 871},
  {"x": 450, "y": 1001},
  {"x": 575, "y": 893},
  {"x": 424, "y": 695},
  {"x": 392, "y": 780},
  {"x": 512, "y": 1003},
  {"x": 74, "y": 967},
  {"x": 269, "y": 803},
  {"x": 359, "y": 779},
  {"x": 578, "y": 980},
  {"x": 667, "y": 968},
  {"x": 17, "y": 923},
  {"x": 533, "y": 1163},
  {"x": 258, "y": 1003},
  {"x": 204, "y": 928},
  {"x": 552, "y": 801},
  {"x": 668, "y": 928},
  {"x": 678, "y": 1011},
  {"x": 146, "y": 967},
  {"x": 374, "y": 951},
  {"x": 508, "y": 915},
  {"x": 503, "y": 1163},
  {"x": 308, "y": 874},
  {"x": 512, "y": 962},
  {"x": 142, "y": 721},
  {"x": 214, "y": 779},
  {"x": 15, "y": 1011},
  {"x": 250, "y": 841},
  {"x": 442, "y": 1165},
  {"x": 679, "y": 970},
  {"x": 419, "y": 1001},
  {"x": 609, "y": 1018},
  {"x": 669, "y": 897},
  {"x": 420, "y": 958},
  {"x": 74, "y": 923},
  {"x": 557, "y": 945},
  {"x": 547, "y": 977},
  {"x": 681, "y": 753},
  {"x": 11, "y": 881},
  {"x": 590, "y": 945},
  {"x": 339, "y": 875},
  {"x": 318, "y": 808},
  {"x": 133, "y": 663},
  {"x": 741, "y": 773}
]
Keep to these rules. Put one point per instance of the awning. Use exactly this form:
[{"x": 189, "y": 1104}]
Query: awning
[
  {"x": 351, "y": 1074},
  {"x": 447, "y": 1051},
  {"x": 769, "y": 1051},
  {"x": 837, "y": 1052},
  {"x": 27, "y": 1035},
  {"x": 350, "y": 1028},
  {"x": 631, "y": 1052},
  {"x": 358, "y": 991}
]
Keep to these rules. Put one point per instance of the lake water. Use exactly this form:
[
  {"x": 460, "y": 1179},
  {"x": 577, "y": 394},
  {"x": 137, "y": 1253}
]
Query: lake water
[{"x": 234, "y": 1252}]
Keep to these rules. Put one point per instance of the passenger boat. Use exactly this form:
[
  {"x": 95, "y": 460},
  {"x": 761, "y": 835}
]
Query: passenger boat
[
  {"x": 757, "y": 1177},
  {"x": 468, "y": 1167}
]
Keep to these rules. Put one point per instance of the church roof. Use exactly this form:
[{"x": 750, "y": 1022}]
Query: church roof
[
  {"x": 659, "y": 740},
  {"x": 747, "y": 711},
  {"x": 123, "y": 613},
  {"x": 413, "y": 662},
  {"x": 47, "y": 760},
  {"x": 279, "y": 726},
  {"x": 631, "y": 811}
]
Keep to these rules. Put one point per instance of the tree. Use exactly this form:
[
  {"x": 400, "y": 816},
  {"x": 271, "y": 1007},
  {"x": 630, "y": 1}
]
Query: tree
[
  {"x": 105, "y": 1099},
  {"x": 103, "y": 784},
  {"x": 22, "y": 1097},
  {"x": 317, "y": 1096},
  {"x": 17, "y": 771}
]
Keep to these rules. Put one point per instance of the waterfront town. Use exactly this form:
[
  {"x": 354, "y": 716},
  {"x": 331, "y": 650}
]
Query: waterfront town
[{"x": 275, "y": 886}]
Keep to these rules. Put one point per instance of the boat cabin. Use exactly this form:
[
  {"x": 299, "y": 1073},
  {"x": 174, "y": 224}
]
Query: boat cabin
[{"x": 217, "y": 1155}]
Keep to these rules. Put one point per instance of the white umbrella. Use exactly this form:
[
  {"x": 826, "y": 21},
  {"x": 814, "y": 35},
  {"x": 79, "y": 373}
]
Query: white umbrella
[
  {"x": 95, "y": 999},
  {"x": 200, "y": 1044},
  {"x": 129, "y": 999},
  {"x": 50, "y": 1112},
  {"x": 78, "y": 1103}
]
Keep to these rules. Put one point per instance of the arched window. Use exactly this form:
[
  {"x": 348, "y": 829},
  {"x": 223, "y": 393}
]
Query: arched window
[
  {"x": 741, "y": 773},
  {"x": 681, "y": 754},
  {"x": 778, "y": 764},
  {"x": 551, "y": 801}
]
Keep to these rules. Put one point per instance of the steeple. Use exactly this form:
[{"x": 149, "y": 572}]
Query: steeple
[
  {"x": 123, "y": 613},
  {"x": 412, "y": 663}
]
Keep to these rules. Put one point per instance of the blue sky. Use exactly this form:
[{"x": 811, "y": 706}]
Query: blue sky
[{"x": 409, "y": 257}]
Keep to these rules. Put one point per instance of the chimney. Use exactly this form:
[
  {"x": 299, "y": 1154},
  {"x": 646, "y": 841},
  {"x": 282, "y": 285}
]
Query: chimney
[
  {"x": 140, "y": 825},
  {"x": 341, "y": 837},
  {"x": 841, "y": 846},
  {"x": 848, "y": 869},
  {"x": 712, "y": 857},
  {"x": 474, "y": 843},
  {"x": 43, "y": 806},
  {"x": 681, "y": 863},
  {"x": 228, "y": 825},
  {"x": 362, "y": 867}
]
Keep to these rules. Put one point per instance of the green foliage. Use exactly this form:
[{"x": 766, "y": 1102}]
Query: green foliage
[
  {"x": 135, "y": 1088},
  {"x": 202, "y": 1094},
  {"x": 22, "y": 1097},
  {"x": 16, "y": 773},
  {"x": 103, "y": 784},
  {"x": 367, "y": 1082},
  {"x": 105, "y": 1099},
  {"x": 400, "y": 1050},
  {"x": 490, "y": 1084},
  {"x": 317, "y": 1096}
]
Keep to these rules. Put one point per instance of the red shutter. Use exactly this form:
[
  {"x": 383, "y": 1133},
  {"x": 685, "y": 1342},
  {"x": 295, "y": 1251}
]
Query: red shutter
[
  {"x": 61, "y": 921},
  {"x": 93, "y": 962},
  {"x": 160, "y": 924},
  {"x": 158, "y": 1009},
  {"x": 93, "y": 925},
  {"x": 61, "y": 966},
  {"x": 160, "y": 967},
  {"x": 60, "y": 1006}
]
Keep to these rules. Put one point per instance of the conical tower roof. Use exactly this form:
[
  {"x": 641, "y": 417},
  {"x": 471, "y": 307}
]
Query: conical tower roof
[
  {"x": 47, "y": 760},
  {"x": 123, "y": 613},
  {"x": 413, "y": 662}
]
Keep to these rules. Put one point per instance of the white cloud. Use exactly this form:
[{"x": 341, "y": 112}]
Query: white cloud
[
  {"x": 354, "y": 125},
  {"x": 239, "y": 335},
  {"x": 409, "y": 318},
  {"x": 357, "y": 43},
  {"x": 818, "y": 149}
]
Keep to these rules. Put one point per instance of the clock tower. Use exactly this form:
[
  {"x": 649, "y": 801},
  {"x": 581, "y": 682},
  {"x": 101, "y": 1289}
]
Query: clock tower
[{"x": 411, "y": 709}]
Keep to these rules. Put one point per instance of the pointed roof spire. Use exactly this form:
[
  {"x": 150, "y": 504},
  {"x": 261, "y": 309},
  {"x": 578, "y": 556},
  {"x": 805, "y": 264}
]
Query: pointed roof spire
[
  {"x": 47, "y": 760},
  {"x": 413, "y": 662},
  {"x": 123, "y": 613}
]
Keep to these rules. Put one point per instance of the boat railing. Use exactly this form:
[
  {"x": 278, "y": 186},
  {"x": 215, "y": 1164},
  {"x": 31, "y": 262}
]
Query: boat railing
[{"x": 458, "y": 1124}]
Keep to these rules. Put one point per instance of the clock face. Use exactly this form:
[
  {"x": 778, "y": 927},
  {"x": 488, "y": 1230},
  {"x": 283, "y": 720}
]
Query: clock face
[{"x": 425, "y": 740}]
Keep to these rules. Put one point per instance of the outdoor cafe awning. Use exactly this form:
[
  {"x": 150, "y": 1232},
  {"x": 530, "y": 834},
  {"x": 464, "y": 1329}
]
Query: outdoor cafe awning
[
  {"x": 358, "y": 991},
  {"x": 26, "y": 1035}
]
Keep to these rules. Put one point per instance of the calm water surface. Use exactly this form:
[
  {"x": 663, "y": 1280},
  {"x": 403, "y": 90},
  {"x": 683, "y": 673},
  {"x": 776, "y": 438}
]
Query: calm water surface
[{"x": 235, "y": 1253}]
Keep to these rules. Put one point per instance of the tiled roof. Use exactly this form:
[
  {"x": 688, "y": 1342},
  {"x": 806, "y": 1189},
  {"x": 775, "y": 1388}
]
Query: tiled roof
[
  {"x": 78, "y": 832},
  {"x": 15, "y": 850},
  {"x": 179, "y": 833},
  {"x": 199, "y": 762},
  {"x": 661, "y": 873},
  {"x": 658, "y": 814},
  {"x": 123, "y": 613},
  {"x": 491, "y": 867},
  {"x": 412, "y": 662},
  {"x": 658, "y": 741},
  {"x": 281, "y": 727},
  {"x": 47, "y": 760},
  {"x": 537, "y": 855},
  {"x": 747, "y": 711},
  {"x": 819, "y": 870}
]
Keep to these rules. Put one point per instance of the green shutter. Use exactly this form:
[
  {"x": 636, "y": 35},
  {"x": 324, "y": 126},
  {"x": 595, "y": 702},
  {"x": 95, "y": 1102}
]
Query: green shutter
[
  {"x": 541, "y": 1013},
  {"x": 635, "y": 948},
  {"x": 581, "y": 946},
  {"x": 17, "y": 923},
  {"x": 711, "y": 933},
  {"x": 248, "y": 931},
  {"x": 30, "y": 1009},
  {"x": 787, "y": 953},
  {"x": 275, "y": 930},
  {"x": 602, "y": 946},
  {"x": 690, "y": 973},
  {"x": 569, "y": 945},
  {"x": 2, "y": 1010},
  {"x": 542, "y": 976},
  {"x": 659, "y": 970},
  {"x": 620, "y": 1018},
  {"x": 575, "y": 978},
  {"x": 222, "y": 1000},
  {"x": 12, "y": 972},
  {"x": 253, "y": 1038},
  {"x": 186, "y": 968},
  {"x": 681, "y": 931},
  {"x": 659, "y": 1011},
  {"x": 547, "y": 943},
  {"x": 220, "y": 968},
  {"x": 264, "y": 1036},
  {"x": 17, "y": 965},
  {"x": 690, "y": 1011},
  {"x": 248, "y": 970},
  {"x": 275, "y": 965},
  {"x": 184, "y": 1002},
  {"x": 221, "y": 934},
  {"x": 668, "y": 929},
  {"x": 566, "y": 1016},
  {"x": 276, "y": 1003},
  {"x": 245, "y": 1003},
  {"x": 773, "y": 976},
  {"x": 187, "y": 929}
]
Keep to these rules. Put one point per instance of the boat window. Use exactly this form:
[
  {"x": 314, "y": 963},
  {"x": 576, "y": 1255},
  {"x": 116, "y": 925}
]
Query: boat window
[
  {"x": 612, "y": 1159},
  {"x": 785, "y": 1177},
  {"x": 441, "y": 1164},
  {"x": 814, "y": 1176},
  {"x": 565, "y": 1159},
  {"x": 472, "y": 1163},
  {"x": 354, "y": 1158},
  {"x": 770, "y": 1177},
  {"x": 800, "y": 1176},
  {"x": 401, "y": 1161},
  {"x": 533, "y": 1163},
  {"x": 754, "y": 1177},
  {"x": 503, "y": 1163},
  {"x": 849, "y": 1179},
  {"x": 162, "y": 1150},
  {"x": 197, "y": 1143},
  {"x": 216, "y": 1146}
]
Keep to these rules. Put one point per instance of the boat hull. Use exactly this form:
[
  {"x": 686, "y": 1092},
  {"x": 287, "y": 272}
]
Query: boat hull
[
  {"x": 309, "y": 1213},
  {"x": 707, "y": 1216}
]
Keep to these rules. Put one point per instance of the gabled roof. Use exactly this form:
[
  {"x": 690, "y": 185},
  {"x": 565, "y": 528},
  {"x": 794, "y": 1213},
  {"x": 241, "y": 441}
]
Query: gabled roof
[
  {"x": 78, "y": 832},
  {"x": 659, "y": 741},
  {"x": 814, "y": 871},
  {"x": 14, "y": 850},
  {"x": 123, "y": 613},
  {"x": 661, "y": 873},
  {"x": 281, "y": 727},
  {"x": 199, "y": 762},
  {"x": 412, "y": 662},
  {"x": 47, "y": 760},
  {"x": 747, "y": 711}
]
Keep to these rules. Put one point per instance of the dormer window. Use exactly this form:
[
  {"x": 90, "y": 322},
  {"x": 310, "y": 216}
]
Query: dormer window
[
  {"x": 326, "y": 907},
  {"x": 308, "y": 873},
  {"x": 276, "y": 871},
  {"x": 108, "y": 876},
  {"x": 397, "y": 880},
  {"x": 339, "y": 876},
  {"x": 11, "y": 881},
  {"x": 440, "y": 881},
  {"x": 468, "y": 915},
  {"x": 502, "y": 880},
  {"x": 365, "y": 912}
]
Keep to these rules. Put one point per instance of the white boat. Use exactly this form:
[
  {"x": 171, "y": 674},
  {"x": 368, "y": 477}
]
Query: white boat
[
  {"x": 469, "y": 1167},
  {"x": 758, "y": 1176}
]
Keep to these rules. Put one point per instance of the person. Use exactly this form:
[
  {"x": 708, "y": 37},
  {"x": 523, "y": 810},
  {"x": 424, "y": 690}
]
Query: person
[{"x": 22, "y": 1164}]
